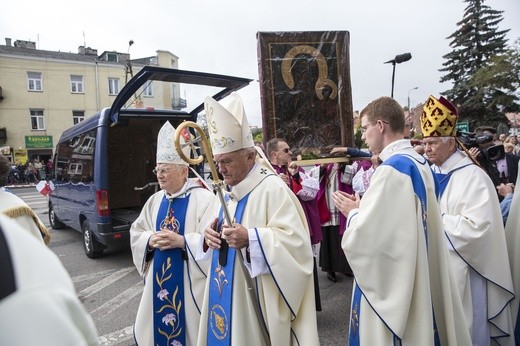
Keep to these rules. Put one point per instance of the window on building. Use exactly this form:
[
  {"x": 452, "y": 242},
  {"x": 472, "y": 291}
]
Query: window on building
[
  {"x": 34, "y": 81},
  {"x": 113, "y": 86},
  {"x": 78, "y": 116},
  {"x": 148, "y": 89},
  {"x": 75, "y": 168},
  {"x": 112, "y": 57},
  {"x": 37, "y": 119},
  {"x": 76, "y": 84}
]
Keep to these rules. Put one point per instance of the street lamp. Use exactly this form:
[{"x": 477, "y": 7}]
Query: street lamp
[
  {"x": 397, "y": 60},
  {"x": 409, "y": 96},
  {"x": 128, "y": 67}
]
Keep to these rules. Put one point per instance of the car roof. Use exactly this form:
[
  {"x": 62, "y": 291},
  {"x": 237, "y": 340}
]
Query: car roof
[{"x": 197, "y": 84}]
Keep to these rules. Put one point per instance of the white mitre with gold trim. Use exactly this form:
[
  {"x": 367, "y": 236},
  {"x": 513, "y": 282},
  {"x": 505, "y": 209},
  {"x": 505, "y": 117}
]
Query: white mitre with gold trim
[
  {"x": 228, "y": 126},
  {"x": 166, "y": 152}
]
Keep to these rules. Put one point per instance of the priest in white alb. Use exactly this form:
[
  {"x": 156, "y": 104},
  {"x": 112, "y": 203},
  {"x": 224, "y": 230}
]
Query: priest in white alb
[
  {"x": 473, "y": 226},
  {"x": 404, "y": 290},
  {"x": 260, "y": 290},
  {"x": 162, "y": 239}
]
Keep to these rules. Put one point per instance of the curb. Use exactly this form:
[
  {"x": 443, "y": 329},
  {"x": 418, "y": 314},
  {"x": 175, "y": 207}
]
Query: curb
[{"x": 19, "y": 185}]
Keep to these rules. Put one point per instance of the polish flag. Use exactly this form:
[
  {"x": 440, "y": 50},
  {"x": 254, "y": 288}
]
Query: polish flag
[{"x": 45, "y": 188}]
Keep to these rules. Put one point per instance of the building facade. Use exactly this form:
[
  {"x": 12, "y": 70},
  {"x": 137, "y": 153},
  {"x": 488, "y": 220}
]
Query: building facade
[{"x": 42, "y": 93}]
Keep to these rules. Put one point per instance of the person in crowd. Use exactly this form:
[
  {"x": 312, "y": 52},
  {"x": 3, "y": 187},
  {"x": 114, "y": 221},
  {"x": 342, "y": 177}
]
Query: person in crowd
[
  {"x": 501, "y": 168},
  {"x": 404, "y": 290},
  {"x": 161, "y": 240},
  {"x": 30, "y": 173},
  {"x": 260, "y": 144},
  {"x": 506, "y": 191},
  {"x": 514, "y": 140},
  {"x": 15, "y": 207},
  {"x": 306, "y": 188},
  {"x": 512, "y": 229},
  {"x": 502, "y": 137},
  {"x": 507, "y": 166},
  {"x": 48, "y": 169},
  {"x": 37, "y": 169},
  {"x": 473, "y": 226},
  {"x": 260, "y": 290},
  {"x": 34, "y": 286},
  {"x": 509, "y": 148},
  {"x": 333, "y": 177}
]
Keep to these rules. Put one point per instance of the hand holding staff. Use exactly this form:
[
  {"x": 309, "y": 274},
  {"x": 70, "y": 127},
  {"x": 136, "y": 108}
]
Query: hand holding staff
[{"x": 217, "y": 183}]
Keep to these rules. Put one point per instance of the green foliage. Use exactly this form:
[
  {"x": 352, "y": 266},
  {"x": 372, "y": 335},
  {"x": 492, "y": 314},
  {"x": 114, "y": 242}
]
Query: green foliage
[
  {"x": 358, "y": 142},
  {"x": 258, "y": 137},
  {"x": 484, "y": 72}
]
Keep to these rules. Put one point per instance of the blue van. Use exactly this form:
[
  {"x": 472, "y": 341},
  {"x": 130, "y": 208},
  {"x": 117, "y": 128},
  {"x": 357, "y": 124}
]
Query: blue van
[{"x": 103, "y": 165}]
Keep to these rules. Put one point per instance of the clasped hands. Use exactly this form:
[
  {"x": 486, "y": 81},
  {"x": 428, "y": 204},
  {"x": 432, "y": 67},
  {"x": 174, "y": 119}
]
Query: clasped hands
[
  {"x": 345, "y": 202},
  {"x": 236, "y": 235},
  {"x": 165, "y": 239}
]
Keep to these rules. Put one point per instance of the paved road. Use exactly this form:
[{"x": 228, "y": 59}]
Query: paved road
[{"x": 110, "y": 287}]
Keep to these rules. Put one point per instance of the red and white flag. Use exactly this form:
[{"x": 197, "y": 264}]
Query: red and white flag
[{"x": 45, "y": 188}]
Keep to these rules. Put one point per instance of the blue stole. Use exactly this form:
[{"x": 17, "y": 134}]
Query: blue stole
[
  {"x": 445, "y": 178},
  {"x": 169, "y": 322},
  {"x": 405, "y": 165},
  {"x": 221, "y": 289}
]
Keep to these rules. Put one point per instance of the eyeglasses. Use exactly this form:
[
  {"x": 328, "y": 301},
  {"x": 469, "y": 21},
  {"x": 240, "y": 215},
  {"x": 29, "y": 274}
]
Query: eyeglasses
[
  {"x": 365, "y": 128},
  {"x": 286, "y": 150},
  {"x": 161, "y": 171},
  {"x": 224, "y": 163}
]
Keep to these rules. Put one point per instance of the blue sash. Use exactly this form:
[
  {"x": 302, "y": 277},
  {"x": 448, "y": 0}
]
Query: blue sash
[
  {"x": 221, "y": 289},
  {"x": 169, "y": 322},
  {"x": 405, "y": 165},
  {"x": 445, "y": 178}
]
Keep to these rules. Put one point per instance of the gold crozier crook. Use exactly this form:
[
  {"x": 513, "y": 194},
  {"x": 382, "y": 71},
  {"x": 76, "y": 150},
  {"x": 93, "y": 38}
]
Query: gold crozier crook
[{"x": 217, "y": 184}]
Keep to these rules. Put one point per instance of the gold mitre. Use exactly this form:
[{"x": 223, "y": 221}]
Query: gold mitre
[{"x": 439, "y": 118}]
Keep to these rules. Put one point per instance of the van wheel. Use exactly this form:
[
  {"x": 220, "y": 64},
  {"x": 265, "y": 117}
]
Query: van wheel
[
  {"x": 53, "y": 219},
  {"x": 93, "y": 248}
]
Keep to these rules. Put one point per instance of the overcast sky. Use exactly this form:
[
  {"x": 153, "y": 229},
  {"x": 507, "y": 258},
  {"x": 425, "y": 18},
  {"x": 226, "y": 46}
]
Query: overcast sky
[{"x": 220, "y": 36}]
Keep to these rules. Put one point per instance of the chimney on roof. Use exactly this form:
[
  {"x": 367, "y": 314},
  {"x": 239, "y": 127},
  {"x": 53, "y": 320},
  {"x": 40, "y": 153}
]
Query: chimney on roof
[
  {"x": 87, "y": 50},
  {"x": 8, "y": 41},
  {"x": 24, "y": 44}
]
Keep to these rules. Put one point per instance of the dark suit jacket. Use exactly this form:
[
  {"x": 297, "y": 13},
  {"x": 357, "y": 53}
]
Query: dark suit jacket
[{"x": 512, "y": 167}]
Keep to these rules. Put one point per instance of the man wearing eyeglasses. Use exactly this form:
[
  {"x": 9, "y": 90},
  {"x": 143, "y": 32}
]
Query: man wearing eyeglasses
[
  {"x": 306, "y": 188},
  {"x": 404, "y": 290},
  {"x": 162, "y": 239},
  {"x": 263, "y": 293}
]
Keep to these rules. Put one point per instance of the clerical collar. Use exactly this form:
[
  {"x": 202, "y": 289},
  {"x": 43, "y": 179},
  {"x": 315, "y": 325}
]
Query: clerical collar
[{"x": 188, "y": 185}]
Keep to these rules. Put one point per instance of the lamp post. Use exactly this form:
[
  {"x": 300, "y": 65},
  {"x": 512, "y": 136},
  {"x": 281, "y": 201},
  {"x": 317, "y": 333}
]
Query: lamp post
[
  {"x": 397, "y": 60},
  {"x": 409, "y": 96},
  {"x": 128, "y": 67}
]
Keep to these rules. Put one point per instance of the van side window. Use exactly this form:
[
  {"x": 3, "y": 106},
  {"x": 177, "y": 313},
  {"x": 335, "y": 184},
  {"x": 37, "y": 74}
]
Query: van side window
[{"x": 75, "y": 159}]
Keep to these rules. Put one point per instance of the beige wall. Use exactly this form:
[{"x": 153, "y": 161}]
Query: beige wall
[{"x": 56, "y": 99}]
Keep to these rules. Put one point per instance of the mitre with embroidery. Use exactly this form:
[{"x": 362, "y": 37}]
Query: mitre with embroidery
[
  {"x": 166, "y": 152},
  {"x": 439, "y": 118},
  {"x": 228, "y": 126}
]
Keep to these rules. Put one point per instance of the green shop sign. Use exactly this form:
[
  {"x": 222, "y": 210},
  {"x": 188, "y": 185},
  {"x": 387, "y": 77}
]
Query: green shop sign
[
  {"x": 38, "y": 142},
  {"x": 463, "y": 126}
]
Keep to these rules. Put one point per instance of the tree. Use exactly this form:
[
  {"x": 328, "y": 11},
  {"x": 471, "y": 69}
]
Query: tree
[
  {"x": 479, "y": 51},
  {"x": 498, "y": 83}
]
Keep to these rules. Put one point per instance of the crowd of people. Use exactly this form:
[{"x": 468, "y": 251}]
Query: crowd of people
[
  {"x": 29, "y": 173},
  {"x": 419, "y": 228}
]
